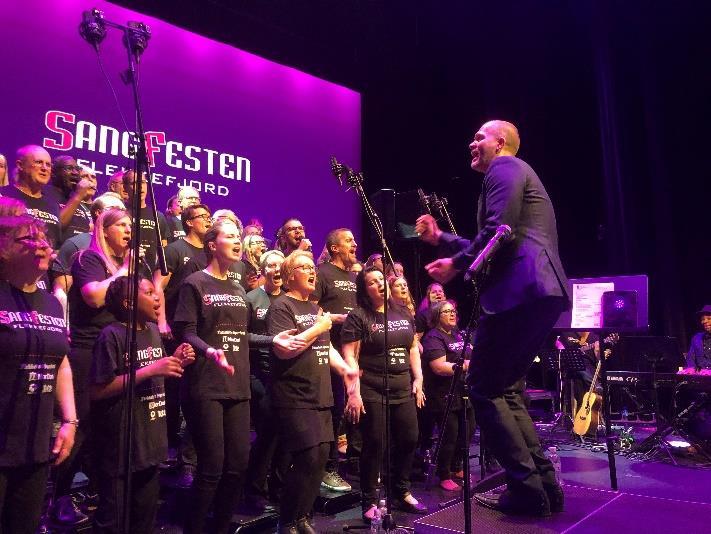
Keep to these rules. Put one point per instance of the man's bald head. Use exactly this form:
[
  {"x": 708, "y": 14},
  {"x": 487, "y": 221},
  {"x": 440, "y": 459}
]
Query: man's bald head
[
  {"x": 34, "y": 166},
  {"x": 507, "y": 131},
  {"x": 494, "y": 138}
]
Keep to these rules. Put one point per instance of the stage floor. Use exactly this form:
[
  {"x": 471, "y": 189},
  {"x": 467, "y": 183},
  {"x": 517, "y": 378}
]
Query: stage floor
[{"x": 653, "y": 496}]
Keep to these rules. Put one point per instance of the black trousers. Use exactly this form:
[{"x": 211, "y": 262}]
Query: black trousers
[
  {"x": 220, "y": 430},
  {"x": 145, "y": 488},
  {"x": 83, "y": 455},
  {"x": 339, "y": 405},
  {"x": 303, "y": 482},
  {"x": 449, "y": 449},
  {"x": 403, "y": 435},
  {"x": 264, "y": 461},
  {"x": 504, "y": 348},
  {"x": 22, "y": 491}
]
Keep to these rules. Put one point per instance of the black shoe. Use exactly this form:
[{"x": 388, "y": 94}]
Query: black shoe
[
  {"x": 510, "y": 505},
  {"x": 304, "y": 526},
  {"x": 556, "y": 497},
  {"x": 288, "y": 528},
  {"x": 66, "y": 512},
  {"x": 410, "y": 508},
  {"x": 258, "y": 504}
]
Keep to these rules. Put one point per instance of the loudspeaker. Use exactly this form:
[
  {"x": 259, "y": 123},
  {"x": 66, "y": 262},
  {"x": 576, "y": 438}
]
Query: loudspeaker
[{"x": 619, "y": 310}]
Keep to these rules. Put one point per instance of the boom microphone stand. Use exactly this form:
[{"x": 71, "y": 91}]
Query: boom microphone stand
[
  {"x": 93, "y": 29},
  {"x": 355, "y": 180}
]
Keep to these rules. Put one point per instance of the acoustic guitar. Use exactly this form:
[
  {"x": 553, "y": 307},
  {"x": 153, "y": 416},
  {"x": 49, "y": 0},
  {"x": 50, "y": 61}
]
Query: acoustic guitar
[{"x": 589, "y": 413}]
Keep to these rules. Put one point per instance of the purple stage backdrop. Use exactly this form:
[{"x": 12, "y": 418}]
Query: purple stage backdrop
[{"x": 254, "y": 136}]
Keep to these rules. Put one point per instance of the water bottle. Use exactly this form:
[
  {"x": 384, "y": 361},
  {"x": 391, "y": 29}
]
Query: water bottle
[
  {"x": 377, "y": 521},
  {"x": 555, "y": 460}
]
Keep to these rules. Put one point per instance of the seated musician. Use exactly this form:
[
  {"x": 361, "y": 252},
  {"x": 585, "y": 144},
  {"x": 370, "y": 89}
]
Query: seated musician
[
  {"x": 588, "y": 342},
  {"x": 698, "y": 359}
]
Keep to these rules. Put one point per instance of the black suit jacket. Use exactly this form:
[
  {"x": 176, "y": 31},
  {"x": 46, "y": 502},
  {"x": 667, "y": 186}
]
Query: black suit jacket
[{"x": 527, "y": 267}]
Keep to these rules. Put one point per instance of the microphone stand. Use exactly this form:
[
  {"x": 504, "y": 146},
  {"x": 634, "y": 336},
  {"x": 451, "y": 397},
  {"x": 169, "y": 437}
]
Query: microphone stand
[
  {"x": 355, "y": 180},
  {"x": 456, "y": 383},
  {"x": 135, "y": 39}
]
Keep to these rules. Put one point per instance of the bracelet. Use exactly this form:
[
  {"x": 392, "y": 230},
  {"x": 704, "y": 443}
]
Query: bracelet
[{"x": 74, "y": 422}]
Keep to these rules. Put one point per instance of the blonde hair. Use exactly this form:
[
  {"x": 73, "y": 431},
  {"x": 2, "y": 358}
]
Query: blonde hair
[
  {"x": 98, "y": 238},
  {"x": 265, "y": 257},
  {"x": 247, "y": 253},
  {"x": 288, "y": 267},
  {"x": 410, "y": 303}
]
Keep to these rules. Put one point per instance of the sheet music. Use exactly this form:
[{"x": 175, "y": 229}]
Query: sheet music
[{"x": 587, "y": 304}]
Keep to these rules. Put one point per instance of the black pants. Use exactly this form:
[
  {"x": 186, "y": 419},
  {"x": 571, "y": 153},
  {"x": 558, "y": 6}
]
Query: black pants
[
  {"x": 403, "y": 435},
  {"x": 83, "y": 455},
  {"x": 145, "y": 488},
  {"x": 339, "y": 405},
  {"x": 22, "y": 492},
  {"x": 504, "y": 348},
  {"x": 302, "y": 482},
  {"x": 262, "y": 457},
  {"x": 220, "y": 430},
  {"x": 448, "y": 451}
]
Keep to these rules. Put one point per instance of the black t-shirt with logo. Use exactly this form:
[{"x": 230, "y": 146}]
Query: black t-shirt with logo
[
  {"x": 80, "y": 221},
  {"x": 45, "y": 209},
  {"x": 214, "y": 313},
  {"x": 367, "y": 327},
  {"x": 86, "y": 322},
  {"x": 33, "y": 336},
  {"x": 436, "y": 344},
  {"x": 259, "y": 302},
  {"x": 150, "y": 439},
  {"x": 148, "y": 235},
  {"x": 177, "y": 256},
  {"x": 335, "y": 292},
  {"x": 175, "y": 228},
  {"x": 305, "y": 380},
  {"x": 237, "y": 271}
]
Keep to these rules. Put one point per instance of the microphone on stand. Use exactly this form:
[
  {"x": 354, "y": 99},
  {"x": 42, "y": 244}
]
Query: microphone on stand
[
  {"x": 503, "y": 233},
  {"x": 92, "y": 28},
  {"x": 338, "y": 169}
]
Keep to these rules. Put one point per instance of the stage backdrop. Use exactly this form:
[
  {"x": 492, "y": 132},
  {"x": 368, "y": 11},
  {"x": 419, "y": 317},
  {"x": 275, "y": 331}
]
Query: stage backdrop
[{"x": 254, "y": 136}]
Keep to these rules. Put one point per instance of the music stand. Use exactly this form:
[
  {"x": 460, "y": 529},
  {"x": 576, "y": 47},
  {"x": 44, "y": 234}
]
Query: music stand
[{"x": 563, "y": 362}]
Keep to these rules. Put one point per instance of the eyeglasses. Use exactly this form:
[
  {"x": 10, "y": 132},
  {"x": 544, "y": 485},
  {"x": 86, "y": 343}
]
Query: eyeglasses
[
  {"x": 203, "y": 216},
  {"x": 40, "y": 163},
  {"x": 306, "y": 268},
  {"x": 295, "y": 229},
  {"x": 449, "y": 312},
  {"x": 33, "y": 241}
]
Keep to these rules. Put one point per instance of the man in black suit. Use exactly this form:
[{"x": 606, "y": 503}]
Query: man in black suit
[{"x": 521, "y": 298}]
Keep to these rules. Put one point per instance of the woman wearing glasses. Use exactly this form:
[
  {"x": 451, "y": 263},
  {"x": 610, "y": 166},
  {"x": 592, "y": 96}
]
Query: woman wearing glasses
[
  {"x": 442, "y": 346},
  {"x": 301, "y": 391},
  {"x": 34, "y": 373},
  {"x": 364, "y": 347}
]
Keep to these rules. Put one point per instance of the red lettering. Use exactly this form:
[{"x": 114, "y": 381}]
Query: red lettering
[
  {"x": 51, "y": 121},
  {"x": 153, "y": 140}
]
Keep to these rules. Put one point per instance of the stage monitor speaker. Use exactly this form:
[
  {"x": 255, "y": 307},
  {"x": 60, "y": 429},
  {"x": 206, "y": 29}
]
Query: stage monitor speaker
[
  {"x": 398, "y": 212},
  {"x": 619, "y": 310}
]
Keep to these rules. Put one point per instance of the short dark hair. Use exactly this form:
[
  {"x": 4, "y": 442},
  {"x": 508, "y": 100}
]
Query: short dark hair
[
  {"x": 189, "y": 212},
  {"x": 116, "y": 297},
  {"x": 333, "y": 237}
]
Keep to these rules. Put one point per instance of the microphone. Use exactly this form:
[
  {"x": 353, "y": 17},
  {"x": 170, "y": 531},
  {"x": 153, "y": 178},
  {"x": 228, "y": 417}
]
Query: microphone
[
  {"x": 503, "y": 233},
  {"x": 338, "y": 169},
  {"x": 92, "y": 28}
]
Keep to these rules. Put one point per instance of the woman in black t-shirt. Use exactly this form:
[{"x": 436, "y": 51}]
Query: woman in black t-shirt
[
  {"x": 34, "y": 373},
  {"x": 109, "y": 375},
  {"x": 212, "y": 315},
  {"x": 433, "y": 293},
  {"x": 301, "y": 390},
  {"x": 93, "y": 270},
  {"x": 442, "y": 345},
  {"x": 364, "y": 346}
]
